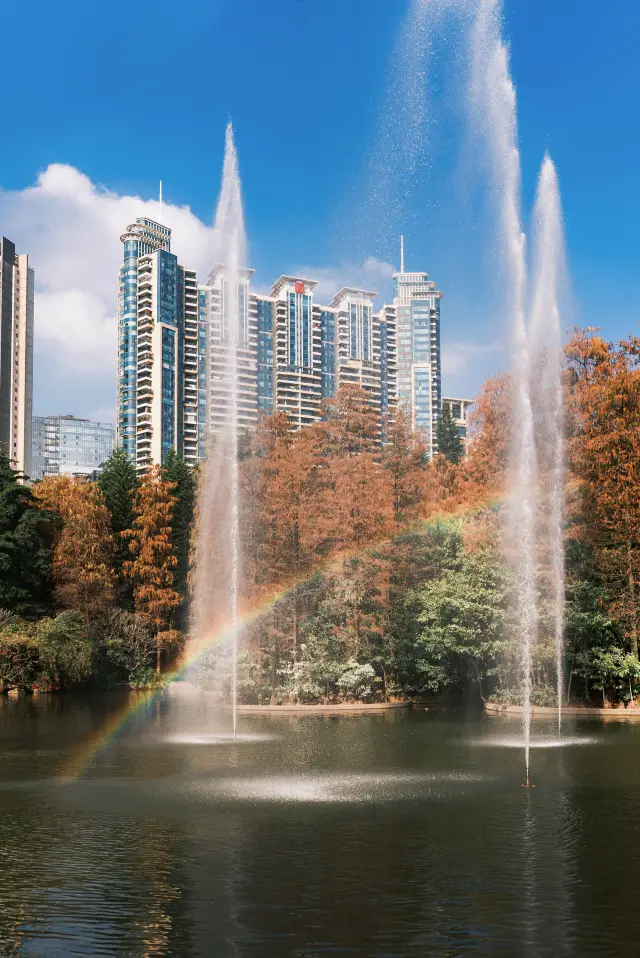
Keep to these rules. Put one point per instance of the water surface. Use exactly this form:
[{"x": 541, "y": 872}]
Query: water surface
[{"x": 402, "y": 834}]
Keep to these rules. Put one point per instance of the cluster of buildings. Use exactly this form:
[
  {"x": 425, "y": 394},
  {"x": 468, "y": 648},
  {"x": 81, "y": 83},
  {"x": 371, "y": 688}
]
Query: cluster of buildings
[{"x": 292, "y": 353}]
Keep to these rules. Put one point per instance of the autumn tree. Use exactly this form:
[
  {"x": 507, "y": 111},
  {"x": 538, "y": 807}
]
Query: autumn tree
[
  {"x": 405, "y": 459},
  {"x": 489, "y": 436},
  {"x": 84, "y": 548},
  {"x": 604, "y": 449},
  {"x": 153, "y": 566},
  {"x": 359, "y": 508}
]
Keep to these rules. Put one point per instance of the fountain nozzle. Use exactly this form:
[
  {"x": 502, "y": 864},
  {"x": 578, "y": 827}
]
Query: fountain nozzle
[{"x": 527, "y": 783}]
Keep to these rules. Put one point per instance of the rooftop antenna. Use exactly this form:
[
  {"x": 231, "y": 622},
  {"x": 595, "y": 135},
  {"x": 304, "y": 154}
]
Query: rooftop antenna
[
  {"x": 160, "y": 201},
  {"x": 402, "y": 253}
]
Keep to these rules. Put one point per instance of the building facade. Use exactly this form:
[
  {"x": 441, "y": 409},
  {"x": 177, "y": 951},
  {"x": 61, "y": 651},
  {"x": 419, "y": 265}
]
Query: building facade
[
  {"x": 294, "y": 353},
  {"x": 64, "y": 445},
  {"x": 159, "y": 349},
  {"x": 417, "y": 303},
  {"x": 16, "y": 355}
]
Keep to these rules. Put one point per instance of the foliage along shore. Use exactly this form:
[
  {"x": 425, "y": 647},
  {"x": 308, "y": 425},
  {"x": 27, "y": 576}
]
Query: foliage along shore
[{"x": 398, "y": 569}]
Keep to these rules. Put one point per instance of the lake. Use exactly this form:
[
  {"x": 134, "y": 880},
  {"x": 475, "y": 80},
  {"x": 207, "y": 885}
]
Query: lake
[{"x": 401, "y": 834}]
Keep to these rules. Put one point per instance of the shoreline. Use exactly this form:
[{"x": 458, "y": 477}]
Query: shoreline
[
  {"x": 341, "y": 707},
  {"x": 575, "y": 710}
]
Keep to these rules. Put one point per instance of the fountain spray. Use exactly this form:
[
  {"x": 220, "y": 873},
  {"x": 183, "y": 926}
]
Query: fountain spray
[
  {"x": 217, "y": 564},
  {"x": 546, "y": 342},
  {"x": 493, "y": 103}
]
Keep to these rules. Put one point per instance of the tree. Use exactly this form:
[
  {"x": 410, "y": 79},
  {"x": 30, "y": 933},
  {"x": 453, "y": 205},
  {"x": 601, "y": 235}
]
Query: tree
[
  {"x": 26, "y": 536},
  {"x": 84, "y": 548},
  {"x": 464, "y": 614},
  {"x": 152, "y": 568},
  {"x": 118, "y": 482},
  {"x": 490, "y": 435},
  {"x": 46, "y": 655},
  {"x": 405, "y": 458},
  {"x": 604, "y": 450},
  {"x": 176, "y": 471},
  {"x": 447, "y": 436}
]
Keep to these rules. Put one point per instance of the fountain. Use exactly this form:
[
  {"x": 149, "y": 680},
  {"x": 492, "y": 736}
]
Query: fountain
[
  {"x": 217, "y": 565},
  {"x": 546, "y": 337},
  {"x": 493, "y": 103}
]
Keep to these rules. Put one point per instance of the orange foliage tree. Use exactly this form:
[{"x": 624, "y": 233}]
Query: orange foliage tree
[
  {"x": 604, "y": 452},
  {"x": 84, "y": 549},
  {"x": 489, "y": 434},
  {"x": 152, "y": 568}
]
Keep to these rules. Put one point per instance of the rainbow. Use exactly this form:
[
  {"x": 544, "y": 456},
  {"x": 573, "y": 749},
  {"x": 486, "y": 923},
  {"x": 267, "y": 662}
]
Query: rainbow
[
  {"x": 192, "y": 654},
  {"x": 194, "y": 651}
]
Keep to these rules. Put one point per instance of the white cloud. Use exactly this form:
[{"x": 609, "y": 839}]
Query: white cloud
[
  {"x": 372, "y": 274},
  {"x": 71, "y": 228}
]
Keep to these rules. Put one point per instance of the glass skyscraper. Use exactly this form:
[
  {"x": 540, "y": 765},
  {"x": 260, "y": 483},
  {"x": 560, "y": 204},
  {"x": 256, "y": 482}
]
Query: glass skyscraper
[
  {"x": 159, "y": 345},
  {"x": 417, "y": 302},
  {"x": 64, "y": 445}
]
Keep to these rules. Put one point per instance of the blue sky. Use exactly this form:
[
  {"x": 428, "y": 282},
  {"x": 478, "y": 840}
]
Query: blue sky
[{"x": 129, "y": 93}]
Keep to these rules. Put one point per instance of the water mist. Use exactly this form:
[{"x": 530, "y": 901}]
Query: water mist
[
  {"x": 217, "y": 565},
  {"x": 546, "y": 346},
  {"x": 493, "y": 102}
]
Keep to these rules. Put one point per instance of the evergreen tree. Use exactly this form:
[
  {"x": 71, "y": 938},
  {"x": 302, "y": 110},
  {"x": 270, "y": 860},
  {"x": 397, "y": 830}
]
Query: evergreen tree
[
  {"x": 26, "y": 534},
  {"x": 447, "y": 437},
  {"x": 118, "y": 482},
  {"x": 176, "y": 471}
]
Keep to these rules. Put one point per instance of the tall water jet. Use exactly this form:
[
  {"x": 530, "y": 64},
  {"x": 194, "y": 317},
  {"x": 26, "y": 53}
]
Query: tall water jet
[
  {"x": 217, "y": 559},
  {"x": 493, "y": 103},
  {"x": 546, "y": 345}
]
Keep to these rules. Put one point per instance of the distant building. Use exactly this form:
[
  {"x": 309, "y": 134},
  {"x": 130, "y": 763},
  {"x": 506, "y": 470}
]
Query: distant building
[
  {"x": 16, "y": 355},
  {"x": 158, "y": 349},
  {"x": 64, "y": 445},
  {"x": 293, "y": 353},
  {"x": 417, "y": 303},
  {"x": 460, "y": 409}
]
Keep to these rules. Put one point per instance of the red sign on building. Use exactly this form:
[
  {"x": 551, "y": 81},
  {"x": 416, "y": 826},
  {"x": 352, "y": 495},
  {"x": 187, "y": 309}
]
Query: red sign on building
[{"x": 299, "y": 287}]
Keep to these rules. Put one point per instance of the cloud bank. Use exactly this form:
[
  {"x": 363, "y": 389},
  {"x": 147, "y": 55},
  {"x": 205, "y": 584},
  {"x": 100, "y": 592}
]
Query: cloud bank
[{"x": 71, "y": 230}]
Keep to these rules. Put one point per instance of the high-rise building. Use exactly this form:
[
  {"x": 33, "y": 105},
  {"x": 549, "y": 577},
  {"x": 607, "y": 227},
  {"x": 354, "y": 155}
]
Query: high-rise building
[
  {"x": 65, "y": 445},
  {"x": 16, "y": 355},
  {"x": 417, "y": 302},
  {"x": 293, "y": 353},
  {"x": 159, "y": 349}
]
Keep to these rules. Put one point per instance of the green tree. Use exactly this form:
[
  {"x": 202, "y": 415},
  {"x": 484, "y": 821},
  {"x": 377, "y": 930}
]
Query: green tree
[
  {"x": 66, "y": 651},
  {"x": 119, "y": 484},
  {"x": 464, "y": 617},
  {"x": 26, "y": 536},
  {"x": 176, "y": 471},
  {"x": 447, "y": 438}
]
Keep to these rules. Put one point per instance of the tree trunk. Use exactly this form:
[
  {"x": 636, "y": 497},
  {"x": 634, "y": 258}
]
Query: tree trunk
[
  {"x": 632, "y": 603},
  {"x": 569, "y": 685},
  {"x": 158, "y": 656}
]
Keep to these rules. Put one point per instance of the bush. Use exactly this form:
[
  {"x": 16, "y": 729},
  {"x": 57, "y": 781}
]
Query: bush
[
  {"x": 358, "y": 681},
  {"x": 66, "y": 651},
  {"x": 128, "y": 643}
]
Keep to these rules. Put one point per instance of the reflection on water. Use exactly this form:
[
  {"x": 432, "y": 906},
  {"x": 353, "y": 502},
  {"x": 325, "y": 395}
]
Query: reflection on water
[
  {"x": 566, "y": 741},
  {"x": 386, "y": 835}
]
